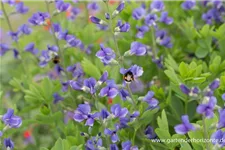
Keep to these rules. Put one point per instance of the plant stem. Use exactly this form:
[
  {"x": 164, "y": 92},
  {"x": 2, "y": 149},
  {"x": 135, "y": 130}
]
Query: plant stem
[
  {"x": 153, "y": 42},
  {"x": 113, "y": 35},
  {"x": 11, "y": 29},
  {"x": 131, "y": 94},
  {"x": 205, "y": 132}
]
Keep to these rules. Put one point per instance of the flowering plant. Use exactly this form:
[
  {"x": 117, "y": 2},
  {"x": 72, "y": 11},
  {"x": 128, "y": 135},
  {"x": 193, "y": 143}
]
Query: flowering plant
[{"x": 112, "y": 75}]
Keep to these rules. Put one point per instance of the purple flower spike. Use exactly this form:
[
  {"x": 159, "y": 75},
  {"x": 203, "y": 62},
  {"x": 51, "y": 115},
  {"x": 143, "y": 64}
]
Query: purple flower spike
[
  {"x": 3, "y": 48},
  {"x": 157, "y": 5},
  {"x": 31, "y": 48},
  {"x": 89, "y": 85},
  {"x": 135, "y": 70},
  {"x": 96, "y": 20},
  {"x": 149, "y": 98},
  {"x": 208, "y": 16},
  {"x": 83, "y": 112},
  {"x": 221, "y": 123},
  {"x": 106, "y": 55},
  {"x": 141, "y": 31},
  {"x": 207, "y": 109},
  {"x": 188, "y": 4},
  {"x": 149, "y": 132},
  {"x": 9, "y": 144},
  {"x": 113, "y": 147},
  {"x": 165, "y": 19},
  {"x": 112, "y": 133},
  {"x": 215, "y": 84},
  {"x": 57, "y": 98},
  {"x": 218, "y": 138},
  {"x": 138, "y": 49},
  {"x": 118, "y": 9},
  {"x": 20, "y": 8},
  {"x": 122, "y": 28},
  {"x": 185, "y": 127},
  {"x": 118, "y": 112},
  {"x": 62, "y": 6},
  {"x": 185, "y": 89},
  {"x": 128, "y": 146},
  {"x": 11, "y": 120},
  {"x": 25, "y": 29},
  {"x": 138, "y": 13},
  {"x": 111, "y": 90},
  {"x": 151, "y": 19}
]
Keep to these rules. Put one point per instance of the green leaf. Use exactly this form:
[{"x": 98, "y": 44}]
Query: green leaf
[
  {"x": 201, "y": 52},
  {"x": 172, "y": 76},
  {"x": 43, "y": 148},
  {"x": 183, "y": 69},
  {"x": 185, "y": 146},
  {"x": 90, "y": 69},
  {"x": 61, "y": 145},
  {"x": 162, "y": 122}
]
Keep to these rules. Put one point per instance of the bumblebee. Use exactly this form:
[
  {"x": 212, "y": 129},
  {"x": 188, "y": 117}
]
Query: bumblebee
[
  {"x": 56, "y": 59},
  {"x": 128, "y": 77}
]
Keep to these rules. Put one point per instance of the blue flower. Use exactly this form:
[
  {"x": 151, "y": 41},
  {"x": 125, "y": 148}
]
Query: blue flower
[
  {"x": 207, "y": 107},
  {"x": 118, "y": 9},
  {"x": 3, "y": 48},
  {"x": 47, "y": 55},
  {"x": 76, "y": 70},
  {"x": 96, "y": 20},
  {"x": 138, "y": 13},
  {"x": 25, "y": 29},
  {"x": 119, "y": 112},
  {"x": 158, "y": 61},
  {"x": 218, "y": 138},
  {"x": 128, "y": 146},
  {"x": 135, "y": 70},
  {"x": 112, "y": 133},
  {"x": 157, "y": 5},
  {"x": 149, "y": 132},
  {"x": 124, "y": 94},
  {"x": 106, "y": 55},
  {"x": 14, "y": 35},
  {"x": 104, "y": 114},
  {"x": 107, "y": 16},
  {"x": 57, "y": 98},
  {"x": 165, "y": 19},
  {"x": 221, "y": 123},
  {"x": 72, "y": 41},
  {"x": 15, "y": 53},
  {"x": 38, "y": 18},
  {"x": 83, "y": 112},
  {"x": 141, "y": 31},
  {"x": 122, "y": 27},
  {"x": 208, "y": 16},
  {"x": 65, "y": 86},
  {"x": 185, "y": 127},
  {"x": 153, "y": 103},
  {"x": 151, "y": 19},
  {"x": 10, "y": 2},
  {"x": 138, "y": 49},
  {"x": 62, "y": 6},
  {"x": 93, "y": 6},
  {"x": 188, "y": 4},
  {"x": 89, "y": 85},
  {"x": 104, "y": 77},
  {"x": 20, "y": 8},
  {"x": 31, "y": 48},
  {"x": 8, "y": 144},
  {"x": 111, "y": 90},
  {"x": 113, "y": 147},
  {"x": 93, "y": 143},
  {"x": 76, "y": 85},
  {"x": 11, "y": 120},
  {"x": 215, "y": 84},
  {"x": 185, "y": 89},
  {"x": 223, "y": 96},
  {"x": 73, "y": 13},
  {"x": 163, "y": 39}
]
